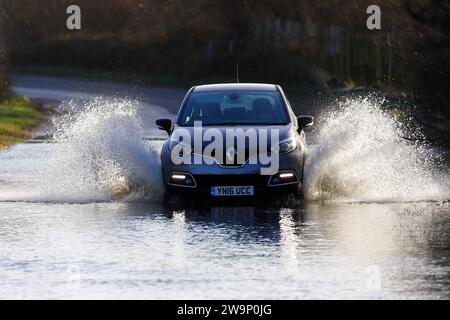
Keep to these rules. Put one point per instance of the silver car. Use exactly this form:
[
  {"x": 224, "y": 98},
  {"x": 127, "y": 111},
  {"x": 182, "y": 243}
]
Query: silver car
[{"x": 246, "y": 123}]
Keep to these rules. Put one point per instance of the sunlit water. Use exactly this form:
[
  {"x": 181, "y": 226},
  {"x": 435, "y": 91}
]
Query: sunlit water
[
  {"x": 144, "y": 250},
  {"x": 84, "y": 218}
]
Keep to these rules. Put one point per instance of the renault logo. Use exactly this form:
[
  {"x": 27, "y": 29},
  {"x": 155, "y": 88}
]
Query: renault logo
[{"x": 231, "y": 152}]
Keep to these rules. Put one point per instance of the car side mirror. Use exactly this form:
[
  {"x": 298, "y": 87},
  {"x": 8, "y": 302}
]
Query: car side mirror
[
  {"x": 305, "y": 122},
  {"x": 165, "y": 125}
]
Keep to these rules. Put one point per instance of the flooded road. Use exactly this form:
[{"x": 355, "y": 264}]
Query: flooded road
[
  {"x": 64, "y": 232},
  {"x": 146, "y": 250}
]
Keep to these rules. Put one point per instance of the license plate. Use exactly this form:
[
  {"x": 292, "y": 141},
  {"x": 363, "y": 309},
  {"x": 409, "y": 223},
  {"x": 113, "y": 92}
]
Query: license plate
[{"x": 230, "y": 191}]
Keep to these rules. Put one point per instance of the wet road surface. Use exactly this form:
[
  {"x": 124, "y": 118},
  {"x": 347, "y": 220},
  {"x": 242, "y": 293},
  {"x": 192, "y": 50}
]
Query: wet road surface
[{"x": 64, "y": 238}]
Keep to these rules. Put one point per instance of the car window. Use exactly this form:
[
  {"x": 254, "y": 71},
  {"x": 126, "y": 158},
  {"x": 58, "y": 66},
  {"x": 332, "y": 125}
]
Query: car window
[{"x": 234, "y": 107}]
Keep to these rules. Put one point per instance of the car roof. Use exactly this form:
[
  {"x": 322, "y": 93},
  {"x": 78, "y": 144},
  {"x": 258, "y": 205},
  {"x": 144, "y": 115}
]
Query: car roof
[{"x": 235, "y": 86}]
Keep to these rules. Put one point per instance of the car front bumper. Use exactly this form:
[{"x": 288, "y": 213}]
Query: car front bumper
[{"x": 207, "y": 176}]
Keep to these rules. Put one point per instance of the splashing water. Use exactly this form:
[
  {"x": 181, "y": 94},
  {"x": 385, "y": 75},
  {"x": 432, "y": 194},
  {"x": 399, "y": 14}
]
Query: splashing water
[
  {"x": 99, "y": 155},
  {"x": 103, "y": 150},
  {"x": 362, "y": 156}
]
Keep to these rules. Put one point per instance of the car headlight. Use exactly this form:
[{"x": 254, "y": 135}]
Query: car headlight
[{"x": 287, "y": 146}]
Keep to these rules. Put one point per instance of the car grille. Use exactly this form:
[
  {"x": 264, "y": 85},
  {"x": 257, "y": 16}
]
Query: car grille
[
  {"x": 235, "y": 163},
  {"x": 231, "y": 180}
]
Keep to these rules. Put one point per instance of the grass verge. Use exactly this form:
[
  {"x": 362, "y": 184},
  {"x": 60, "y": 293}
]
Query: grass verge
[{"x": 18, "y": 116}]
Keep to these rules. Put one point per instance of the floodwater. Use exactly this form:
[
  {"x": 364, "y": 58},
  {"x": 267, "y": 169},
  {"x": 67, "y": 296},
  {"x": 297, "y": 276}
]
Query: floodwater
[{"x": 82, "y": 215}]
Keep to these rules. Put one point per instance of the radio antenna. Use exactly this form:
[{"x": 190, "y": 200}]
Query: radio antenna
[{"x": 237, "y": 72}]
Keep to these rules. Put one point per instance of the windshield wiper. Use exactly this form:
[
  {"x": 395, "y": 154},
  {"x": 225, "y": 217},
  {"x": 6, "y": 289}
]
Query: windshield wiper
[
  {"x": 233, "y": 123},
  {"x": 274, "y": 124}
]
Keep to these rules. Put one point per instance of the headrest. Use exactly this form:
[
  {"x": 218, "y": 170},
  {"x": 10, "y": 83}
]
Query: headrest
[
  {"x": 234, "y": 113},
  {"x": 262, "y": 105},
  {"x": 211, "y": 110}
]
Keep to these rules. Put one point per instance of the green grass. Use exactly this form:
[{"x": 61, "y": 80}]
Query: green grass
[{"x": 17, "y": 116}]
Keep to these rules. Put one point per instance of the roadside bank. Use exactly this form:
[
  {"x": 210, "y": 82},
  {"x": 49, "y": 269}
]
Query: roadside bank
[{"x": 18, "y": 116}]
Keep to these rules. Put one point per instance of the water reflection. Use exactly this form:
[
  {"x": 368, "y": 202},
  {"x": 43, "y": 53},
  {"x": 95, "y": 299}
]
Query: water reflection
[
  {"x": 215, "y": 250},
  {"x": 348, "y": 243},
  {"x": 244, "y": 224},
  {"x": 357, "y": 229},
  {"x": 179, "y": 241},
  {"x": 289, "y": 239}
]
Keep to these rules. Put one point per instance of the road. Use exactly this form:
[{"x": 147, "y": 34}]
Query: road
[
  {"x": 62, "y": 234},
  {"x": 157, "y": 101}
]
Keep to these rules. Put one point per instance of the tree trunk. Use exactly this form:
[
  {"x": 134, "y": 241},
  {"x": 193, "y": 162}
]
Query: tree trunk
[{"x": 3, "y": 55}]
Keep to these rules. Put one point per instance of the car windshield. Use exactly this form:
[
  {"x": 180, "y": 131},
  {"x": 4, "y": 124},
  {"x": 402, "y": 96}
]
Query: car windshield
[{"x": 234, "y": 108}]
